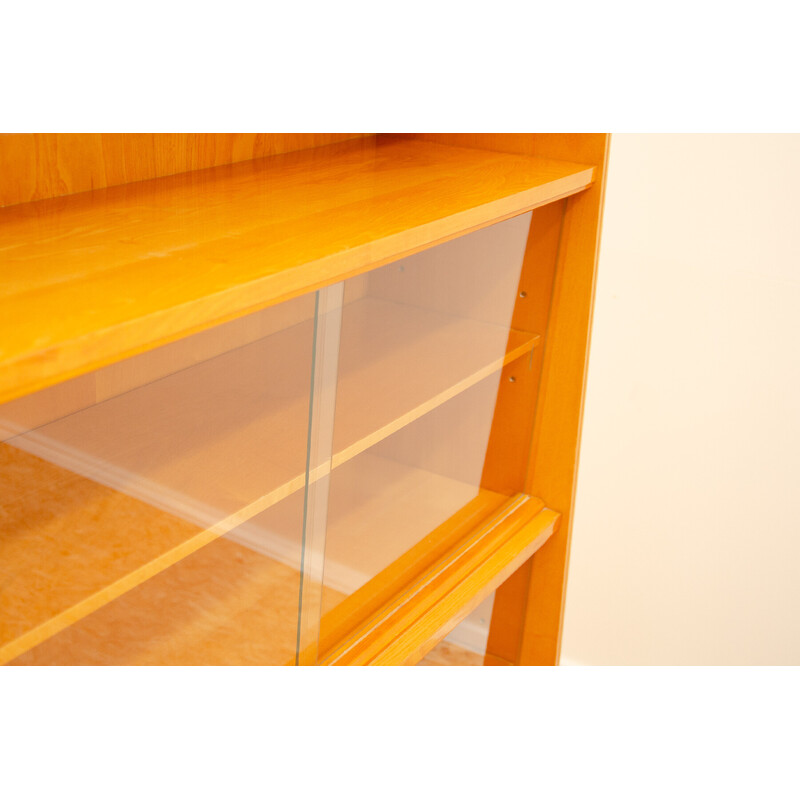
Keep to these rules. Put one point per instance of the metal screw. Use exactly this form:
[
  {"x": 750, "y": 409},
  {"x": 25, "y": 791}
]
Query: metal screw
[
  {"x": 523, "y": 294},
  {"x": 512, "y": 379}
]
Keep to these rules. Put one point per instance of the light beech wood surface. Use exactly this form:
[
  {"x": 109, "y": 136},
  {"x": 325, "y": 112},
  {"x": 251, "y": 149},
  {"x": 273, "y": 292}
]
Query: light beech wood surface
[
  {"x": 95, "y": 277},
  {"x": 222, "y": 442},
  {"x": 528, "y": 612},
  {"x": 35, "y": 166},
  {"x": 421, "y": 616},
  {"x": 152, "y": 512}
]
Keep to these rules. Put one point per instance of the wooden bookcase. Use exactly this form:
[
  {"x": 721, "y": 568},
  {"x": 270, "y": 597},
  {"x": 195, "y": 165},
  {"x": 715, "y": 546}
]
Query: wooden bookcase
[{"x": 249, "y": 280}]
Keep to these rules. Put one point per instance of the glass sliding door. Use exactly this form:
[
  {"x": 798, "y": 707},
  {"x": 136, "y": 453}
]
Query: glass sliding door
[
  {"x": 427, "y": 351},
  {"x": 251, "y": 494},
  {"x": 137, "y": 501}
]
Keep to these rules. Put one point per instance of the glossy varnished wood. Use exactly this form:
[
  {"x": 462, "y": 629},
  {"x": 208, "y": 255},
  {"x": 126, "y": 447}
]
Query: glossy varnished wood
[
  {"x": 119, "y": 271},
  {"x": 35, "y": 166},
  {"x": 416, "y": 620},
  {"x": 528, "y": 616},
  {"x": 95, "y": 277},
  {"x": 240, "y": 452}
]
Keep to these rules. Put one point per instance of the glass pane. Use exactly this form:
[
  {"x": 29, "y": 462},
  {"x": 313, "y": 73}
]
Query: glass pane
[
  {"x": 427, "y": 348},
  {"x": 232, "y": 602},
  {"x": 120, "y": 483}
]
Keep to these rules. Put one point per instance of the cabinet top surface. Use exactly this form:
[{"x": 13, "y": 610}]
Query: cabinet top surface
[{"x": 94, "y": 277}]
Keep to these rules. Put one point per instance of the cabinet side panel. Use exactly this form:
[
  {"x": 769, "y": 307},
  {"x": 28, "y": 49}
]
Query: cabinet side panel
[
  {"x": 526, "y": 624},
  {"x": 508, "y": 453}
]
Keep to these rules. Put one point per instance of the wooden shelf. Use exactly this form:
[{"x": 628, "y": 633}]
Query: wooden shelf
[
  {"x": 95, "y": 277},
  {"x": 202, "y": 462},
  {"x": 379, "y": 509},
  {"x": 234, "y": 602}
]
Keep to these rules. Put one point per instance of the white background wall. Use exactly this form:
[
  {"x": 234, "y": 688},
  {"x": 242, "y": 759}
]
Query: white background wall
[{"x": 686, "y": 544}]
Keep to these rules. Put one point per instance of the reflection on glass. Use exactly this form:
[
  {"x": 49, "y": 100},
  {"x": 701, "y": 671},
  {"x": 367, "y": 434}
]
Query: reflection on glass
[
  {"x": 251, "y": 493},
  {"x": 424, "y": 344}
]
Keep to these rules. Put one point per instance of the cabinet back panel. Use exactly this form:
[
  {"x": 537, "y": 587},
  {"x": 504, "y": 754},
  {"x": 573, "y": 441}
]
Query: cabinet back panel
[{"x": 34, "y": 166}]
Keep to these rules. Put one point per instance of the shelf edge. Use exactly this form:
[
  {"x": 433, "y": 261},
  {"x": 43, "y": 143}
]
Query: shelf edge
[
  {"x": 33, "y": 371},
  {"x": 427, "y": 613}
]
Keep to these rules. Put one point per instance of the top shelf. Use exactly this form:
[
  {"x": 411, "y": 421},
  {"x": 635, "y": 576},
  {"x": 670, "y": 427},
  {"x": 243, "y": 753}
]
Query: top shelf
[{"x": 92, "y": 278}]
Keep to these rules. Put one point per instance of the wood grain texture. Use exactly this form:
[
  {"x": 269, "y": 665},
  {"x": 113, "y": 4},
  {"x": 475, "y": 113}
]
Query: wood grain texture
[
  {"x": 417, "y": 620},
  {"x": 87, "y": 282},
  {"x": 527, "y": 621},
  {"x": 92, "y": 278},
  {"x": 37, "y": 166},
  {"x": 579, "y": 147},
  {"x": 214, "y": 446}
]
